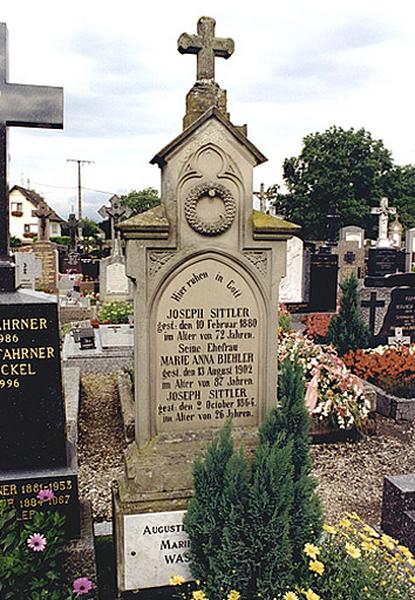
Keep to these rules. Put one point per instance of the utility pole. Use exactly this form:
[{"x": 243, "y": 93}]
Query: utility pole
[{"x": 80, "y": 162}]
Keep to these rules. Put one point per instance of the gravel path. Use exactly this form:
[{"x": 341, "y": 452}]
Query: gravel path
[
  {"x": 350, "y": 474},
  {"x": 101, "y": 442}
]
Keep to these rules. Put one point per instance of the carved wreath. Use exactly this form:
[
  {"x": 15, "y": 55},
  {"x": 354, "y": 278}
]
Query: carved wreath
[{"x": 213, "y": 227}]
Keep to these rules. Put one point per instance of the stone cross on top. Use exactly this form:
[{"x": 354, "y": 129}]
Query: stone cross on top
[
  {"x": 263, "y": 198},
  {"x": 22, "y": 106},
  {"x": 206, "y": 46},
  {"x": 384, "y": 210},
  {"x": 114, "y": 212},
  {"x": 43, "y": 213},
  {"x": 73, "y": 231}
]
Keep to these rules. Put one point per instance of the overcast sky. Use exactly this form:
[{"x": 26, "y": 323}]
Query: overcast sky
[{"x": 298, "y": 67}]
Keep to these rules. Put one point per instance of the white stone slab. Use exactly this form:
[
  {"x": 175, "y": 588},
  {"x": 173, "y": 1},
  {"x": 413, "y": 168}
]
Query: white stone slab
[
  {"x": 117, "y": 281},
  {"x": 28, "y": 267},
  {"x": 155, "y": 548},
  {"x": 118, "y": 336},
  {"x": 291, "y": 286}
]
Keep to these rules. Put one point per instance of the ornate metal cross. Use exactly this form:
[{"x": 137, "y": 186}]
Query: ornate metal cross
[
  {"x": 206, "y": 46},
  {"x": 43, "y": 213},
  {"x": 384, "y": 210},
  {"x": 21, "y": 106}
]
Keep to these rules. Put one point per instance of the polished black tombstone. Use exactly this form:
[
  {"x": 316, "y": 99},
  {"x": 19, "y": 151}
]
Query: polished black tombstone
[
  {"x": 323, "y": 282},
  {"x": 382, "y": 261}
]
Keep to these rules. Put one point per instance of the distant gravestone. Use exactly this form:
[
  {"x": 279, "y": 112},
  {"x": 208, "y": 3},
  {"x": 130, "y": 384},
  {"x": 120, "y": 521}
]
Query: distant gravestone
[
  {"x": 46, "y": 252},
  {"x": 206, "y": 269},
  {"x": 291, "y": 286},
  {"x": 410, "y": 249},
  {"x": 113, "y": 281},
  {"x": 351, "y": 259},
  {"x": 323, "y": 282},
  {"x": 352, "y": 233},
  {"x": 28, "y": 269}
]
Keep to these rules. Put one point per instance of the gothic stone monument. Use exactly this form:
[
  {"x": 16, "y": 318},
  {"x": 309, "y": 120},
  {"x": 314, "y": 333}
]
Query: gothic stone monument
[{"x": 206, "y": 270}]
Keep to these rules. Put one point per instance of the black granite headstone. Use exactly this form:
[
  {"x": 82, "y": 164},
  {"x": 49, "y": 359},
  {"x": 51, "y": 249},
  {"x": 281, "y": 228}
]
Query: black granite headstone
[
  {"x": 87, "y": 338},
  {"x": 382, "y": 261},
  {"x": 32, "y": 427},
  {"x": 401, "y": 313},
  {"x": 323, "y": 282}
]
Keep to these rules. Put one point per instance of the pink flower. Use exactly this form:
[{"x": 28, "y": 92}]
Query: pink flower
[
  {"x": 82, "y": 586},
  {"x": 36, "y": 542},
  {"x": 45, "y": 495}
]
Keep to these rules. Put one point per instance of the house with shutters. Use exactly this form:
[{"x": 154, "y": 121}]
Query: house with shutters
[{"x": 23, "y": 222}]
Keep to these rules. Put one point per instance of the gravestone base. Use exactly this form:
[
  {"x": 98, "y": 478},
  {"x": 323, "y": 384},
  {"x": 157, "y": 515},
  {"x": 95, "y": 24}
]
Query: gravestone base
[
  {"x": 79, "y": 554},
  {"x": 158, "y": 479},
  {"x": 398, "y": 508},
  {"x": 18, "y": 489}
]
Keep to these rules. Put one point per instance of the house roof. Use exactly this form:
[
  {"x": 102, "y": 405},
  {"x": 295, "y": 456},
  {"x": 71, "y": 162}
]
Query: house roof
[
  {"x": 35, "y": 199},
  {"x": 160, "y": 157}
]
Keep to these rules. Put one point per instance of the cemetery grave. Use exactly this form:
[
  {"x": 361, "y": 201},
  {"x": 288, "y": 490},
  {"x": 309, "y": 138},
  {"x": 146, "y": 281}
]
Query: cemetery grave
[{"x": 205, "y": 271}]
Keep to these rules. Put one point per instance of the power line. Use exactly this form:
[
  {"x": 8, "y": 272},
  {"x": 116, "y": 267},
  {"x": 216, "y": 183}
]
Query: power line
[
  {"x": 67, "y": 187},
  {"x": 79, "y": 162}
]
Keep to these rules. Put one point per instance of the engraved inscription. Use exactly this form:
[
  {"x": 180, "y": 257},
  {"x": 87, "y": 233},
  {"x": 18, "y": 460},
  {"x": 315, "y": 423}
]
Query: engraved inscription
[{"x": 207, "y": 330}]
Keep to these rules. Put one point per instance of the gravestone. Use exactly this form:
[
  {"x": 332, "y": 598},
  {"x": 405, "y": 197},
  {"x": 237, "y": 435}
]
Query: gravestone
[
  {"x": 291, "y": 286},
  {"x": 33, "y": 450},
  {"x": 410, "y": 248},
  {"x": 383, "y": 210},
  {"x": 72, "y": 262},
  {"x": 398, "y": 508},
  {"x": 206, "y": 270},
  {"x": 323, "y": 282},
  {"x": 113, "y": 281},
  {"x": 382, "y": 261},
  {"x": 28, "y": 269},
  {"x": 351, "y": 259},
  {"x": 47, "y": 253},
  {"x": 389, "y": 306},
  {"x": 352, "y": 233}
]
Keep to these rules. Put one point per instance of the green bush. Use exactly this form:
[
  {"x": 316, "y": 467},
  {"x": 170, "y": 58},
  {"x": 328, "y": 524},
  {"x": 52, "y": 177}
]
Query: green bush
[
  {"x": 115, "y": 312},
  {"x": 248, "y": 523},
  {"x": 347, "y": 330}
]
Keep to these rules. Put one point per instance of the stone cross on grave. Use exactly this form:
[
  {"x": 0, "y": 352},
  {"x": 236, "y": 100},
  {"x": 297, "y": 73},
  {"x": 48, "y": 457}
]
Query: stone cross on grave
[
  {"x": 115, "y": 212},
  {"x": 20, "y": 106},
  {"x": 73, "y": 224},
  {"x": 399, "y": 339},
  {"x": 206, "y": 46},
  {"x": 372, "y": 304},
  {"x": 263, "y": 198},
  {"x": 384, "y": 210},
  {"x": 43, "y": 213}
]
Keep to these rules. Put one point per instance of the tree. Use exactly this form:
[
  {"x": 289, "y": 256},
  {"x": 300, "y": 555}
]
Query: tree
[
  {"x": 347, "y": 169},
  {"x": 90, "y": 228},
  {"x": 292, "y": 420},
  {"x": 142, "y": 200},
  {"x": 347, "y": 330}
]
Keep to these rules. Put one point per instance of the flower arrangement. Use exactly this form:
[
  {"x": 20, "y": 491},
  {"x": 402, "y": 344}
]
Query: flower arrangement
[
  {"x": 284, "y": 318},
  {"x": 354, "y": 561},
  {"x": 317, "y": 325},
  {"x": 115, "y": 312},
  {"x": 334, "y": 395},
  {"x": 351, "y": 561},
  {"x": 30, "y": 556},
  {"x": 391, "y": 368}
]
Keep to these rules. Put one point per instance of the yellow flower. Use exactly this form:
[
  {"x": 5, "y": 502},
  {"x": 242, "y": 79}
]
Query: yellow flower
[
  {"x": 368, "y": 546},
  {"x": 405, "y": 551},
  {"x": 412, "y": 579},
  {"x": 371, "y": 531},
  {"x": 290, "y": 596},
  {"x": 234, "y": 595},
  {"x": 331, "y": 530},
  {"x": 199, "y": 595},
  {"x": 176, "y": 580},
  {"x": 345, "y": 523},
  {"x": 353, "y": 551},
  {"x": 311, "y": 550},
  {"x": 310, "y": 595},
  {"x": 316, "y": 566},
  {"x": 387, "y": 542}
]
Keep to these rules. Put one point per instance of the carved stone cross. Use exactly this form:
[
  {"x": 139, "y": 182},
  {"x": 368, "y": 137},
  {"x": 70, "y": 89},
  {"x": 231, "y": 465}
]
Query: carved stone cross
[
  {"x": 384, "y": 210},
  {"x": 22, "y": 106},
  {"x": 43, "y": 213},
  {"x": 114, "y": 212},
  {"x": 263, "y": 198},
  {"x": 206, "y": 46},
  {"x": 399, "y": 339}
]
